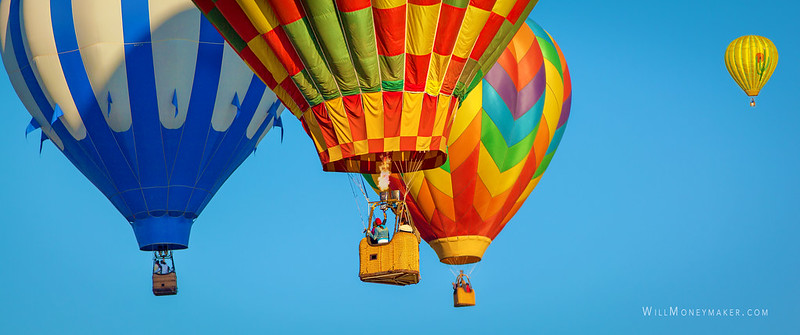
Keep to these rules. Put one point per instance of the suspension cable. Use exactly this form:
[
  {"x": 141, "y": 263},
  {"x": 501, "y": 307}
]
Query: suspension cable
[
  {"x": 474, "y": 267},
  {"x": 351, "y": 181}
]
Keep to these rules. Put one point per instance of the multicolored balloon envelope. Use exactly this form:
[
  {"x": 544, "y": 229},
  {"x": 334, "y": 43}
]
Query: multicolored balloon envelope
[
  {"x": 502, "y": 140},
  {"x": 370, "y": 78},
  {"x": 143, "y": 97},
  {"x": 751, "y": 60}
]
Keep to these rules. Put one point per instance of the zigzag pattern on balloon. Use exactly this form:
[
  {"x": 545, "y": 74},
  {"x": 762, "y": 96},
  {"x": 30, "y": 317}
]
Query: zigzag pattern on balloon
[
  {"x": 502, "y": 139},
  {"x": 562, "y": 87}
]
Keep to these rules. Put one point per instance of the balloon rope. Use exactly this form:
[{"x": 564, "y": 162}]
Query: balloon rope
[
  {"x": 403, "y": 178},
  {"x": 416, "y": 167},
  {"x": 355, "y": 199},
  {"x": 474, "y": 266},
  {"x": 355, "y": 180},
  {"x": 472, "y": 269},
  {"x": 413, "y": 166},
  {"x": 450, "y": 267}
]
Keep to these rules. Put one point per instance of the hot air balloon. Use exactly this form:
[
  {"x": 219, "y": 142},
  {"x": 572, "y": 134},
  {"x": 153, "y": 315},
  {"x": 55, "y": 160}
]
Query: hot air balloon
[
  {"x": 145, "y": 99},
  {"x": 370, "y": 79},
  {"x": 751, "y": 60},
  {"x": 502, "y": 140}
]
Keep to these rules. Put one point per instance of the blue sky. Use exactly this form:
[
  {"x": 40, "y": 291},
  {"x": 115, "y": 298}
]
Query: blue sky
[{"x": 667, "y": 190}]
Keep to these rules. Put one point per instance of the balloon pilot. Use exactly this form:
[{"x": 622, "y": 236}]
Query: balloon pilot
[
  {"x": 160, "y": 265},
  {"x": 378, "y": 234}
]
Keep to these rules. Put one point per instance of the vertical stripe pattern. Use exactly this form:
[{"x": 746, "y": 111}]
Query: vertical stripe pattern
[
  {"x": 370, "y": 77},
  {"x": 147, "y": 91},
  {"x": 751, "y": 60}
]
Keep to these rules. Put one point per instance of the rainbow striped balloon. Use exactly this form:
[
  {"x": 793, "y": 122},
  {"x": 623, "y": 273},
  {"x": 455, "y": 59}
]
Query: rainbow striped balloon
[{"x": 502, "y": 139}]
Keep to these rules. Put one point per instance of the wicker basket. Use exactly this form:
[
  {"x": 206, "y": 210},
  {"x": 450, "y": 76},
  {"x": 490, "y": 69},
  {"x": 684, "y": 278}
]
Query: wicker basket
[
  {"x": 394, "y": 263},
  {"x": 462, "y": 298},
  {"x": 165, "y": 284}
]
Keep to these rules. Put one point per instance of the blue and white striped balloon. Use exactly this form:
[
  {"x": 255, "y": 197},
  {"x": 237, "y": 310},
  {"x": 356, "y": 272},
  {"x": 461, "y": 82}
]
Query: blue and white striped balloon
[{"x": 144, "y": 97}]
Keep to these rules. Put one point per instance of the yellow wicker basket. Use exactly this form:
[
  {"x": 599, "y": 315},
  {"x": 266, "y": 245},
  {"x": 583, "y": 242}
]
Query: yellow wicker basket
[
  {"x": 395, "y": 263},
  {"x": 462, "y": 298}
]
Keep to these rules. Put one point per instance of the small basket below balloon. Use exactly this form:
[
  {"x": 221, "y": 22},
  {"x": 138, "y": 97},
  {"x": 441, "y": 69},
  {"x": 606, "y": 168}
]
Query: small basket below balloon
[
  {"x": 165, "y": 284},
  {"x": 462, "y": 298}
]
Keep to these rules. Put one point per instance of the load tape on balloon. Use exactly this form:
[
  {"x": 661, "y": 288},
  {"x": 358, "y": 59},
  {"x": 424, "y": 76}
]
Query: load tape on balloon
[{"x": 367, "y": 78}]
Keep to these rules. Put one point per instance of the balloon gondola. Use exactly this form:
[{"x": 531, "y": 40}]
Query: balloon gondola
[
  {"x": 165, "y": 279},
  {"x": 463, "y": 292},
  {"x": 394, "y": 260}
]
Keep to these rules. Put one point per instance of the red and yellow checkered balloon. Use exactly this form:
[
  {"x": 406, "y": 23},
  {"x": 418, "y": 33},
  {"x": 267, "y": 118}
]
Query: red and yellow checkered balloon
[{"x": 370, "y": 78}]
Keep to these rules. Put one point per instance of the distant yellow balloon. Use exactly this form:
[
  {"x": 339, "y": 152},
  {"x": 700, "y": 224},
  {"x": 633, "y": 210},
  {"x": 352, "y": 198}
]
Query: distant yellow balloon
[{"x": 751, "y": 60}]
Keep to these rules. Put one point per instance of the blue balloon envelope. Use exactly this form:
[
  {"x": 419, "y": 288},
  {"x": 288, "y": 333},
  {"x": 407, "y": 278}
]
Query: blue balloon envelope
[{"x": 143, "y": 97}]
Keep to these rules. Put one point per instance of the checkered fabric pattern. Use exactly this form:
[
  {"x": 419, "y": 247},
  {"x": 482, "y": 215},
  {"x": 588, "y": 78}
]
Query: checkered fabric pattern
[{"x": 367, "y": 78}]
